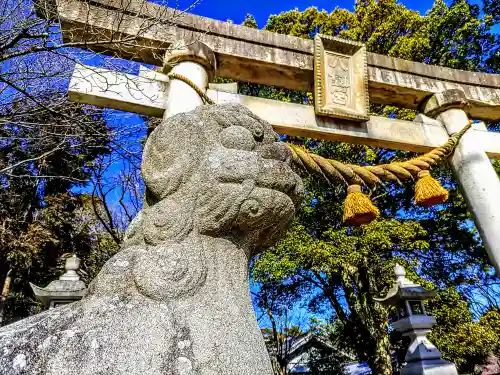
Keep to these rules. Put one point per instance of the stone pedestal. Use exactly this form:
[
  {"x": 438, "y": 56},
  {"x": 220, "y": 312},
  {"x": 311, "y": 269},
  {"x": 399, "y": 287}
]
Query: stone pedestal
[
  {"x": 422, "y": 357},
  {"x": 474, "y": 172},
  {"x": 429, "y": 367}
]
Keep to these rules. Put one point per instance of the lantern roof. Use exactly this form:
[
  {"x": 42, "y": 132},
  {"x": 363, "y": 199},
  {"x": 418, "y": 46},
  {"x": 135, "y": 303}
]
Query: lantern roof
[
  {"x": 67, "y": 287},
  {"x": 405, "y": 290}
]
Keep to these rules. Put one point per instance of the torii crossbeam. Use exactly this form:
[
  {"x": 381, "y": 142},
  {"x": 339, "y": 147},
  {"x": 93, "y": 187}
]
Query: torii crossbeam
[{"x": 343, "y": 77}]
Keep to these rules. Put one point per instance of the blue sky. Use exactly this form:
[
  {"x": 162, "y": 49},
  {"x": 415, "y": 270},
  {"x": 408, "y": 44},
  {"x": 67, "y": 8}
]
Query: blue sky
[{"x": 262, "y": 9}]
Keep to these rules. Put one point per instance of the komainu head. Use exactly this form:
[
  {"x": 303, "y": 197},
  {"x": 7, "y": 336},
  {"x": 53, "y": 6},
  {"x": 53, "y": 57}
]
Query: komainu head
[{"x": 221, "y": 171}]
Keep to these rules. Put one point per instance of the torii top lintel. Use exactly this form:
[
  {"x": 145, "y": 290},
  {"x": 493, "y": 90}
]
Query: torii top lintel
[{"x": 259, "y": 56}]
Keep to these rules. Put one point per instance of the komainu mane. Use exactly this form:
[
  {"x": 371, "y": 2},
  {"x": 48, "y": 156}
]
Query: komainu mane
[{"x": 175, "y": 300}]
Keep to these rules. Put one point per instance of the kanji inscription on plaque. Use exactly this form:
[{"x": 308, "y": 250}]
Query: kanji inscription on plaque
[
  {"x": 337, "y": 71},
  {"x": 341, "y": 79}
]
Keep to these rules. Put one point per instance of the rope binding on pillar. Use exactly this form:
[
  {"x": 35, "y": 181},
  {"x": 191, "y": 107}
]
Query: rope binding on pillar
[
  {"x": 358, "y": 208},
  {"x": 186, "y": 80}
]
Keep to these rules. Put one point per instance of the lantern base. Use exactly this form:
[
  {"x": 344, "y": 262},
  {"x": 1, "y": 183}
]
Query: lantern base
[{"x": 429, "y": 367}]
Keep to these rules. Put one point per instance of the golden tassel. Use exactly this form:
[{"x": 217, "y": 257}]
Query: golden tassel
[
  {"x": 358, "y": 208},
  {"x": 428, "y": 191}
]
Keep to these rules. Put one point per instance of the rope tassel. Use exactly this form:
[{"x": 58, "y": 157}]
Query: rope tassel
[
  {"x": 358, "y": 208},
  {"x": 428, "y": 191}
]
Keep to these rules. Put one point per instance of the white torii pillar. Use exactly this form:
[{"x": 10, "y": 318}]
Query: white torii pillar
[
  {"x": 472, "y": 168},
  {"x": 195, "y": 61}
]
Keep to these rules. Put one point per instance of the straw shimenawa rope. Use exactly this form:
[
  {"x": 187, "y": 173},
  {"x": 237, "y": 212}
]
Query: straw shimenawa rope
[
  {"x": 358, "y": 209},
  {"x": 368, "y": 175}
]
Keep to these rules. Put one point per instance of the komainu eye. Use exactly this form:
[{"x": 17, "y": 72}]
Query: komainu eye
[{"x": 251, "y": 208}]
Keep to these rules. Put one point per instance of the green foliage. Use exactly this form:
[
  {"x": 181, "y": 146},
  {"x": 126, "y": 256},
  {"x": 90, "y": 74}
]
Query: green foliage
[
  {"x": 337, "y": 269},
  {"x": 460, "y": 339},
  {"x": 492, "y": 319},
  {"x": 492, "y": 7},
  {"x": 344, "y": 266},
  {"x": 250, "y": 21},
  {"x": 330, "y": 359},
  {"x": 454, "y": 36}
]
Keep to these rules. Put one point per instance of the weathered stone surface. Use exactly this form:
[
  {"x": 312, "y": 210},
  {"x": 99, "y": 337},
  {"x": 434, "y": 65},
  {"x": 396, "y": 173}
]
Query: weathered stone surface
[
  {"x": 127, "y": 92},
  {"x": 473, "y": 171},
  {"x": 176, "y": 299},
  {"x": 195, "y": 52},
  {"x": 443, "y": 101},
  {"x": 88, "y": 86}
]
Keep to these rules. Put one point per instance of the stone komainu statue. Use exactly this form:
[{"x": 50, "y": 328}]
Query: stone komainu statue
[{"x": 175, "y": 300}]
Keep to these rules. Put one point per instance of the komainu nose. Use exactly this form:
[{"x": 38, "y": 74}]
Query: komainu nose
[{"x": 277, "y": 151}]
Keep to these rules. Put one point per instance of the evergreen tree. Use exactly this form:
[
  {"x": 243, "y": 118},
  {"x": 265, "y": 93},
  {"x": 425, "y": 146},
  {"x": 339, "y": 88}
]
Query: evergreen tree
[
  {"x": 339, "y": 269},
  {"x": 250, "y": 21}
]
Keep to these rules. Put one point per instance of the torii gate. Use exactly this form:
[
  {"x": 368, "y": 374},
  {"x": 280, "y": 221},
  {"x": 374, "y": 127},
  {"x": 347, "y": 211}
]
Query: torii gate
[{"x": 343, "y": 77}]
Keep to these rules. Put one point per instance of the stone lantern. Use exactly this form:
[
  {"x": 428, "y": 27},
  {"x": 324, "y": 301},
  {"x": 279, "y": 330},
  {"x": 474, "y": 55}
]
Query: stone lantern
[
  {"x": 69, "y": 288},
  {"x": 422, "y": 356}
]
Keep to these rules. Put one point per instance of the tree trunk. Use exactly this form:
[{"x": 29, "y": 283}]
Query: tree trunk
[
  {"x": 4, "y": 295},
  {"x": 279, "y": 360},
  {"x": 369, "y": 319},
  {"x": 380, "y": 360}
]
